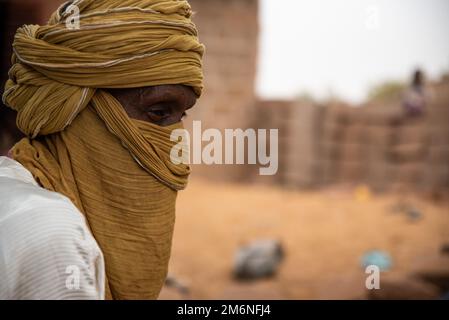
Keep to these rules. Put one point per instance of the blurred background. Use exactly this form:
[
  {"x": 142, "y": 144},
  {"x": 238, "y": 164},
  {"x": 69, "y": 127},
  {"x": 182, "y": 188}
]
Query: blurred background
[{"x": 359, "y": 91}]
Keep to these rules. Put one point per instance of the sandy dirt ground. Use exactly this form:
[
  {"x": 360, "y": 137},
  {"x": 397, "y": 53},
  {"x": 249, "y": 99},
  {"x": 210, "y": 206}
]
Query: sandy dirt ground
[{"x": 324, "y": 233}]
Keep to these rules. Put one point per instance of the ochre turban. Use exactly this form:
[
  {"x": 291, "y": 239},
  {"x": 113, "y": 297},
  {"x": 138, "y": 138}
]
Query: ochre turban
[{"x": 80, "y": 141}]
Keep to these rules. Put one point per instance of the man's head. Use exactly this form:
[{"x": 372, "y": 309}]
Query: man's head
[{"x": 144, "y": 53}]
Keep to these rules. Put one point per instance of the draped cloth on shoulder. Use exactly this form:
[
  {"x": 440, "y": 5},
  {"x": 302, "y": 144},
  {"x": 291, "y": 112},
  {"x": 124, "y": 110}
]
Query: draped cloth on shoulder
[{"x": 80, "y": 141}]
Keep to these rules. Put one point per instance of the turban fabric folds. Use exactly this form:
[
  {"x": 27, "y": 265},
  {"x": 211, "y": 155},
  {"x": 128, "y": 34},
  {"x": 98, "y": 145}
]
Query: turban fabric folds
[{"x": 80, "y": 141}]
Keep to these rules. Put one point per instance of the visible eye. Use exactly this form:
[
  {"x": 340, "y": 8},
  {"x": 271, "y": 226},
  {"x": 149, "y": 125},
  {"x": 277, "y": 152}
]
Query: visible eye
[
  {"x": 158, "y": 114},
  {"x": 166, "y": 112}
]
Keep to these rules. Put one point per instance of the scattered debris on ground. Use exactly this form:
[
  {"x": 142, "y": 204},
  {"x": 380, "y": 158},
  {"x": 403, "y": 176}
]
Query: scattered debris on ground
[
  {"x": 377, "y": 258},
  {"x": 412, "y": 213},
  {"x": 324, "y": 234},
  {"x": 180, "y": 286},
  {"x": 259, "y": 259}
]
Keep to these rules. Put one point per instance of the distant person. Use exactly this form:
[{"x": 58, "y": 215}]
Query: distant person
[{"x": 416, "y": 97}]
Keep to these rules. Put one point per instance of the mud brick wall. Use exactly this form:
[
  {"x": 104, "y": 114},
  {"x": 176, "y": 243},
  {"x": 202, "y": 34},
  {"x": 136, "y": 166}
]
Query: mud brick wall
[
  {"x": 436, "y": 175},
  {"x": 380, "y": 146},
  {"x": 229, "y": 29},
  {"x": 374, "y": 144},
  {"x": 273, "y": 115},
  {"x": 299, "y": 130},
  {"x": 300, "y": 166}
]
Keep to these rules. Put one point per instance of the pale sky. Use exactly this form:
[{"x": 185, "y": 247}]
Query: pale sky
[{"x": 346, "y": 46}]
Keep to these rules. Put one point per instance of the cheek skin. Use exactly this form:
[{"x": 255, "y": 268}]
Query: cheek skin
[
  {"x": 126, "y": 99},
  {"x": 134, "y": 112}
]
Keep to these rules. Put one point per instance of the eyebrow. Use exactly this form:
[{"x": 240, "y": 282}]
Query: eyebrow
[
  {"x": 153, "y": 93},
  {"x": 170, "y": 94}
]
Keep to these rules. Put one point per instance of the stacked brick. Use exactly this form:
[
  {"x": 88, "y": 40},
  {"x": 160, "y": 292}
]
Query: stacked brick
[
  {"x": 299, "y": 130},
  {"x": 229, "y": 29},
  {"x": 375, "y": 144},
  {"x": 436, "y": 171},
  {"x": 274, "y": 115},
  {"x": 301, "y": 163}
]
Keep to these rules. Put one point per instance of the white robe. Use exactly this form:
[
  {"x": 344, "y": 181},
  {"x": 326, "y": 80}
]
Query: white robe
[{"x": 46, "y": 248}]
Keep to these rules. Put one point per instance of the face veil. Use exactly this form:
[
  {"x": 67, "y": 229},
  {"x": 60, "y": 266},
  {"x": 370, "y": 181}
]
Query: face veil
[{"x": 81, "y": 143}]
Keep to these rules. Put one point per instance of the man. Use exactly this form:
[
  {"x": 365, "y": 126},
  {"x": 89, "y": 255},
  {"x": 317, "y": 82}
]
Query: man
[{"x": 87, "y": 206}]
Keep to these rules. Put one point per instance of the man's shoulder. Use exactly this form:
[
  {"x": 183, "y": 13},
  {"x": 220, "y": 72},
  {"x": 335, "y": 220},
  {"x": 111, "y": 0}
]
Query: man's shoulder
[
  {"x": 22, "y": 201},
  {"x": 42, "y": 233},
  {"x": 18, "y": 198}
]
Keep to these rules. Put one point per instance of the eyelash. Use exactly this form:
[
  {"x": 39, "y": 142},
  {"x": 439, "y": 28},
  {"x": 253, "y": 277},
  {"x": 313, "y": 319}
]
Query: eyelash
[{"x": 183, "y": 116}]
